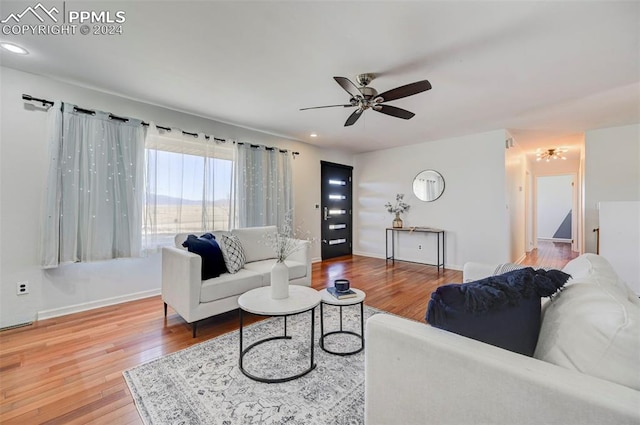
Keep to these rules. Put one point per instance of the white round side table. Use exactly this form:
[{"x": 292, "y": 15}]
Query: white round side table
[
  {"x": 329, "y": 299},
  {"x": 258, "y": 301}
]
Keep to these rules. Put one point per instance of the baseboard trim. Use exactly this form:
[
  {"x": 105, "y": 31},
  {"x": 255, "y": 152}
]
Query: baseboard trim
[
  {"x": 77, "y": 308},
  {"x": 368, "y": 254},
  {"x": 521, "y": 259},
  {"x": 17, "y": 325},
  {"x": 381, "y": 257},
  {"x": 555, "y": 240}
]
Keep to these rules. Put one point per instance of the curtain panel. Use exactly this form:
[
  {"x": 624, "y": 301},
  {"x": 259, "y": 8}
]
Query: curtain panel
[
  {"x": 264, "y": 189},
  {"x": 94, "y": 189},
  {"x": 188, "y": 185}
]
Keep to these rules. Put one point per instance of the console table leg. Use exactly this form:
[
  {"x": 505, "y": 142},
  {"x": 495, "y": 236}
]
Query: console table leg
[
  {"x": 438, "y": 238},
  {"x": 444, "y": 251}
]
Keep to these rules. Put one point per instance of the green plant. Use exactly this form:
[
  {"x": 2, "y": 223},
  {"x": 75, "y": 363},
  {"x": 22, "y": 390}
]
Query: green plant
[{"x": 399, "y": 207}]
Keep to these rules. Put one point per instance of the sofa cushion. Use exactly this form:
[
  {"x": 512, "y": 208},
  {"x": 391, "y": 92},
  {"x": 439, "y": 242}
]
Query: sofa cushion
[
  {"x": 254, "y": 242},
  {"x": 233, "y": 253},
  {"x": 296, "y": 269},
  {"x": 501, "y": 310},
  {"x": 228, "y": 285},
  {"x": 593, "y": 326},
  {"x": 206, "y": 247}
]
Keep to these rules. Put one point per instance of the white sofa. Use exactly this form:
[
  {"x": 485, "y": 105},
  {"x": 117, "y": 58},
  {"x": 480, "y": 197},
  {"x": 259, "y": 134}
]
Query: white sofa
[
  {"x": 195, "y": 299},
  {"x": 585, "y": 370}
]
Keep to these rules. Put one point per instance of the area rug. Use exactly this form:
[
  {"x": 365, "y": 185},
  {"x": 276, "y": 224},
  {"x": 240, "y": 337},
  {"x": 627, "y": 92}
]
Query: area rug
[{"x": 203, "y": 384}]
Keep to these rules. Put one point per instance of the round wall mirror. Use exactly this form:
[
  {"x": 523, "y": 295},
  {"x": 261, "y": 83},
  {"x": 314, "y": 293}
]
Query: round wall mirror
[{"x": 428, "y": 185}]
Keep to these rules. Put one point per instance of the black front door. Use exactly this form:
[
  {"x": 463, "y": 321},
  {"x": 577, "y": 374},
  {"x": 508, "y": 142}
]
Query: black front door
[{"x": 336, "y": 210}]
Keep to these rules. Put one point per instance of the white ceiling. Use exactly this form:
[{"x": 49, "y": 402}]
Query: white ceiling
[{"x": 547, "y": 71}]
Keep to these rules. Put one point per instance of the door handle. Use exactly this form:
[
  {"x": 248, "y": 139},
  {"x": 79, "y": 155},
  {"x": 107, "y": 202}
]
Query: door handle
[{"x": 326, "y": 213}]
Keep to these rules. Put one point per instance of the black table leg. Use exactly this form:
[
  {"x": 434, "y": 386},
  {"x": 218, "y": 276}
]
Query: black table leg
[
  {"x": 342, "y": 331},
  {"x": 244, "y": 351}
]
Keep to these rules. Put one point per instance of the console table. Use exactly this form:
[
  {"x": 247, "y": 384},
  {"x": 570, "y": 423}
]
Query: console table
[{"x": 440, "y": 247}]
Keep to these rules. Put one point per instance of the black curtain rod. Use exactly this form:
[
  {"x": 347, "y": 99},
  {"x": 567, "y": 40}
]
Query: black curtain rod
[{"x": 46, "y": 102}]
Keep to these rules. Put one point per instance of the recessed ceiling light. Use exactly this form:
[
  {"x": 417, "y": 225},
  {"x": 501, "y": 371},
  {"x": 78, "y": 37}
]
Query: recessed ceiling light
[
  {"x": 14, "y": 48},
  {"x": 313, "y": 135}
]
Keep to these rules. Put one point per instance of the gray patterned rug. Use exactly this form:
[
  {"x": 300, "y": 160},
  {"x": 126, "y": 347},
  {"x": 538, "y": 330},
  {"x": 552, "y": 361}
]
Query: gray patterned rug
[{"x": 203, "y": 385}]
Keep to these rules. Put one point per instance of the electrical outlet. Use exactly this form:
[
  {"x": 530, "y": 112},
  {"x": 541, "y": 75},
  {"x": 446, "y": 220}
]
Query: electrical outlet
[
  {"x": 419, "y": 247},
  {"x": 22, "y": 288}
]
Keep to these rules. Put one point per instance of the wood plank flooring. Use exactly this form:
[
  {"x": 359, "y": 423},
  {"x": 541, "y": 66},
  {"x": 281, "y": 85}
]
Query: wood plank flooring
[
  {"x": 550, "y": 254},
  {"x": 68, "y": 370}
]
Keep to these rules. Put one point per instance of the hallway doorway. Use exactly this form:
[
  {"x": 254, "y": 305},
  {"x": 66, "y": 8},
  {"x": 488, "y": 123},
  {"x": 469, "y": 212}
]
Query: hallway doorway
[{"x": 556, "y": 205}]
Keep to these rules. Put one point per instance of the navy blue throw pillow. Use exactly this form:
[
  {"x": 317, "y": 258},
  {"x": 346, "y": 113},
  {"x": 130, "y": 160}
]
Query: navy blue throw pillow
[
  {"x": 501, "y": 310},
  {"x": 207, "y": 247}
]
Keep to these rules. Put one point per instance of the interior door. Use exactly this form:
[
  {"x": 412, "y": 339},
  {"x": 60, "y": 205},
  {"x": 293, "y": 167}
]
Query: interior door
[{"x": 336, "y": 209}]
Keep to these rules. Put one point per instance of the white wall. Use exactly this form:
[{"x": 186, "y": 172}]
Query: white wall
[
  {"x": 611, "y": 172},
  {"x": 620, "y": 239},
  {"x": 516, "y": 168},
  {"x": 471, "y": 210},
  {"x": 566, "y": 167},
  {"x": 555, "y": 200},
  {"x": 23, "y": 162}
]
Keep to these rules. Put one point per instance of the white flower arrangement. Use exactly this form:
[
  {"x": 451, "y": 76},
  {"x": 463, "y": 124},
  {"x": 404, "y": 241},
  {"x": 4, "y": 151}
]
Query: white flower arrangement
[
  {"x": 399, "y": 207},
  {"x": 285, "y": 241}
]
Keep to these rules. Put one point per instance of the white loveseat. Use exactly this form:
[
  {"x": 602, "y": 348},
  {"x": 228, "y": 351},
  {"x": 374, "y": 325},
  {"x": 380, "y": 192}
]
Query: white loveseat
[
  {"x": 585, "y": 370},
  {"x": 194, "y": 299}
]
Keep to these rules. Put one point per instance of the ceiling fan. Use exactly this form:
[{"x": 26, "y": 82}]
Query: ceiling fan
[
  {"x": 551, "y": 153},
  {"x": 365, "y": 97}
]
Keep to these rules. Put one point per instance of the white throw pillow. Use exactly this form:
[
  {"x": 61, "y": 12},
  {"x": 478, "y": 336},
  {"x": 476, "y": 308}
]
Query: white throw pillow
[{"x": 593, "y": 326}]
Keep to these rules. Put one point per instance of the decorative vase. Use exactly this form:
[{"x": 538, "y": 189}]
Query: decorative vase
[
  {"x": 397, "y": 222},
  {"x": 279, "y": 281}
]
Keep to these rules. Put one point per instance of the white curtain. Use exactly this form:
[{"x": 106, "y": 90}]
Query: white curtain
[
  {"x": 188, "y": 185},
  {"x": 432, "y": 190},
  {"x": 264, "y": 186},
  {"x": 94, "y": 189}
]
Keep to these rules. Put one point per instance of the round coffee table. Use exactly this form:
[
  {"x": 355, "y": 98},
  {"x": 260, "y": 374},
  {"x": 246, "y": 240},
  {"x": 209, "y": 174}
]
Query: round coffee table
[
  {"x": 258, "y": 301},
  {"x": 329, "y": 299}
]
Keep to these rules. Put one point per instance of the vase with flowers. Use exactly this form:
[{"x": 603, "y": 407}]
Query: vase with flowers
[
  {"x": 398, "y": 208},
  {"x": 284, "y": 242}
]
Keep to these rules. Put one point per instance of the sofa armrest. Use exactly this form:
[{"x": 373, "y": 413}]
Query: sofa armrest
[
  {"x": 418, "y": 374},
  {"x": 475, "y": 271},
  {"x": 181, "y": 280}
]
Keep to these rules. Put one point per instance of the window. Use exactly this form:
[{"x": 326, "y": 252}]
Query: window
[{"x": 188, "y": 186}]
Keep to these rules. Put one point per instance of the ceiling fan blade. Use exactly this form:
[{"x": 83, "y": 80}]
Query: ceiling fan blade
[
  {"x": 394, "y": 112},
  {"x": 404, "y": 91},
  {"x": 348, "y": 86},
  {"x": 353, "y": 117},
  {"x": 328, "y": 106}
]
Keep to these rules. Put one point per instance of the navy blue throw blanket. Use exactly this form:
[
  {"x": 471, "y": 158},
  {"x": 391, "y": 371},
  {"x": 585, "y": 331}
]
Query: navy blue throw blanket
[
  {"x": 207, "y": 247},
  {"x": 501, "y": 310}
]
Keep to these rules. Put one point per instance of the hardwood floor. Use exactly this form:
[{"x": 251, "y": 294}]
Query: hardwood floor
[
  {"x": 68, "y": 370},
  {"x": 550, "y": 254}
]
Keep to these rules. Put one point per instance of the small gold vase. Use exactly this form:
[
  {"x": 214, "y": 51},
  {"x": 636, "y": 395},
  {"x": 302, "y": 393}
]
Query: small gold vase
[{"x": 397, "y": 222}]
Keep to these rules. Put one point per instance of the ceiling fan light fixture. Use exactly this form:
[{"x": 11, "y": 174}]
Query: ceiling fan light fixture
[
  {"x": 365, "y": 97},
  {"x": 551, "y": 153}
]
